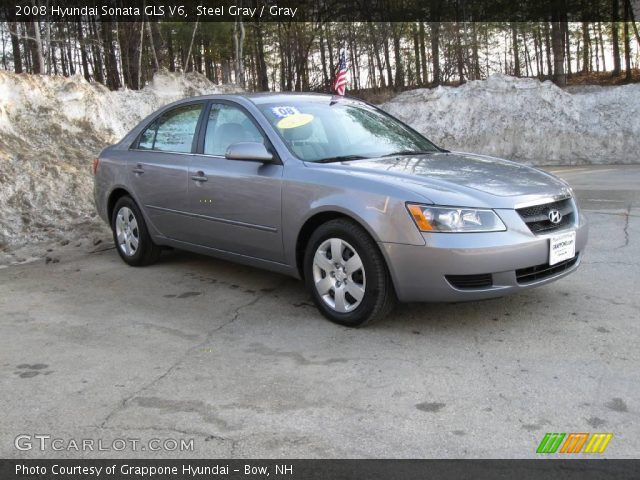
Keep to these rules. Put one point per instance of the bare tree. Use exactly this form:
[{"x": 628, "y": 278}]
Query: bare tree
[
  {"x": 435, "y": 51},
  {"x": 604, "y": 62},
  {"x": 38, "y": 48},
  {"x": 152, "y": 45},
  {"x": 238, "y": 45},
  {"x": 263, "y": 78},
  {"x": 514, "y": 45},
  {"x": 632, "y": 20},
  {"x": 15, "y": 47},
  {"x": 627, "y": 40},
  {"x": 586, "y": 49},
  {"x": 139, "y": 83},
  {"x": 193, "y": 36},
  {"x": 615, "y": 40},
  {"x": 559, "y": 76}
]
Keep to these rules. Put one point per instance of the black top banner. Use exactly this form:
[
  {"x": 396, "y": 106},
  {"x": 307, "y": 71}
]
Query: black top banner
[
  {"x": 551, "y": 469},
  {"x": 318, "y": 10}
]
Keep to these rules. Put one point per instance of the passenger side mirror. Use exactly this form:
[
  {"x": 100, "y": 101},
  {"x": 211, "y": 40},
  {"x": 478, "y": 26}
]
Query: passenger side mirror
[{"x": 249, "y": 151}]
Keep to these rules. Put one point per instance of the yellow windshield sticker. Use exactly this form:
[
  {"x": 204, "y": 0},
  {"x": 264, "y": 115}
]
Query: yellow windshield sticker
[{"x": 295, "y": 121}]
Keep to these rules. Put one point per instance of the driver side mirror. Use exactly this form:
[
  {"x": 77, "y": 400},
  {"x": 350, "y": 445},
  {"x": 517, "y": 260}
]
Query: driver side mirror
[{"x": 249, "y": 151}]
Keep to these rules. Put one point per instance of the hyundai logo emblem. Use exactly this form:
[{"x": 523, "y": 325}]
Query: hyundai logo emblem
[{"x": 554, "y": 216}]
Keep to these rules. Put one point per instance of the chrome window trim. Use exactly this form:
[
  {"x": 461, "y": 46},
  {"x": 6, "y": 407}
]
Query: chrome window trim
[{"x": 159, "y": 151}]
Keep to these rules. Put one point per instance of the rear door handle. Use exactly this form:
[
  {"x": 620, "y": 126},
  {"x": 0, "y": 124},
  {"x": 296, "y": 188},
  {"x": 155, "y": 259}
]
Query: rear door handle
[
  {"x": 199, "y": 177},
  {"x": 138, "y": 170}
]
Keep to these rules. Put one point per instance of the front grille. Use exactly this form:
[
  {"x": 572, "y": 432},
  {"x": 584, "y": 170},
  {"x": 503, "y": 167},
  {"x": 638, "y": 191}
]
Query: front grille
[
  {"x": 539, "y": 272},
  {"x": 470, "y": 282},
  {"x": 537, "y": 219}
]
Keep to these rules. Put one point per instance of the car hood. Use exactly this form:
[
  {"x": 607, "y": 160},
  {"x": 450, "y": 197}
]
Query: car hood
[{"x": 440, "y": 176}]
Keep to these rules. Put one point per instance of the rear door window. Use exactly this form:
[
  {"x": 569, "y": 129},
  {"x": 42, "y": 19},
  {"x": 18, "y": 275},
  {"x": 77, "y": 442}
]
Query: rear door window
[{"x": 173, "y": 131}]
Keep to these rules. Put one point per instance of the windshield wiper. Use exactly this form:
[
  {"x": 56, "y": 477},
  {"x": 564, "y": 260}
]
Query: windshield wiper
[
  {"x": 407, "y": 152},
  {"x": 340, "y": 158}
]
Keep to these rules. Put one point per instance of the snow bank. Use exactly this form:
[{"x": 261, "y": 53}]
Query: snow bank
[
  {"x": 51, "y": 128},
  {"x": 527, "y": 120}
]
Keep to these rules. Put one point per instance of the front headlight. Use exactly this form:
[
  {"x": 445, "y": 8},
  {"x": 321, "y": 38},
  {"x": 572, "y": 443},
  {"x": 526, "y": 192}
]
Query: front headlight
[{"x": 453, "y": 219}]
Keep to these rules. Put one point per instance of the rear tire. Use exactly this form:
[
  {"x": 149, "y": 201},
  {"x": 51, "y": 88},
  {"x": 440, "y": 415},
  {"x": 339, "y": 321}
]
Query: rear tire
[
  {"x": 346, "y": 274},
  {"x": 130, "y": 234}
]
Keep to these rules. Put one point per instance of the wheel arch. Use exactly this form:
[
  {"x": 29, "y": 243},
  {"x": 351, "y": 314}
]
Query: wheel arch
[
  {"x": 115, "y": 195},
  {"x": 317, "y": 219}
]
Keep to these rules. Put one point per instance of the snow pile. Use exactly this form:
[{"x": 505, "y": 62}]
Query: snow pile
[
  {"x": 51, "y": 128},
  {"x": 527, "y": 120}
]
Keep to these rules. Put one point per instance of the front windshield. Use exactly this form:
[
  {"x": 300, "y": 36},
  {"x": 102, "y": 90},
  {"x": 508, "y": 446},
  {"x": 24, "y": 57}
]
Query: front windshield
[{"x": 327, "y": 130}]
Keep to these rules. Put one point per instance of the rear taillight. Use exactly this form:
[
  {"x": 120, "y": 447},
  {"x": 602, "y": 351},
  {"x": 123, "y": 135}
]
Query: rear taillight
[{"x": 94, "y": 165}]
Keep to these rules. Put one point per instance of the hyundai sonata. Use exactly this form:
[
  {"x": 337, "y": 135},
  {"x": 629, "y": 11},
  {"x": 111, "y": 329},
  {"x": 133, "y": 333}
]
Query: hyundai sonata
[{"x": 336, "y": 192}]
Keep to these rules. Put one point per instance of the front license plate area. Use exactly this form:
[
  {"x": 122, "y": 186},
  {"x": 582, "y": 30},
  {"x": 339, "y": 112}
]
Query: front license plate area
[{"x": 562, "y": 247}]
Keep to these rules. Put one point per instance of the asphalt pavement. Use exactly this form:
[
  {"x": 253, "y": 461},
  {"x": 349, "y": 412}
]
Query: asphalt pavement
[{"x": 239, "y": 361}]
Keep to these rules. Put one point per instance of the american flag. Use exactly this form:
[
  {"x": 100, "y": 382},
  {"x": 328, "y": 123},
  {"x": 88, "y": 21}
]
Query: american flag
[{"x": 340, "y": 83}]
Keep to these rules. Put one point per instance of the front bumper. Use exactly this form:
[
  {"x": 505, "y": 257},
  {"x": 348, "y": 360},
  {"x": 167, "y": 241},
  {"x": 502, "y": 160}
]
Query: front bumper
[{"x": 419, "y": 272}]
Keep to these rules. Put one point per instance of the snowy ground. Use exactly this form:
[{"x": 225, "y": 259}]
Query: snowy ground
[
  {"x": 51, "y": 128},
  {"x": 527, "y": 120}
]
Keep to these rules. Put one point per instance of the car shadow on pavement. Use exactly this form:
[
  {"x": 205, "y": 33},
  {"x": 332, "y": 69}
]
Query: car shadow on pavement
[{"x": 521, "y": 307}]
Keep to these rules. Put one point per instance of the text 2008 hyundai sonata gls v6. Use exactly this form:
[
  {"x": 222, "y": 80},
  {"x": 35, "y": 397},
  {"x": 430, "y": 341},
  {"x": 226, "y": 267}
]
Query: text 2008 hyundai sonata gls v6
[{"x": 336, "y": 192}]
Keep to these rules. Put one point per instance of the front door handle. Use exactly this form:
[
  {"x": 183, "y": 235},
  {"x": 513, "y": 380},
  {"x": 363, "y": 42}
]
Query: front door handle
[
  {"x": 199, "y": 177},
  {"x": 138, "y": 170}
]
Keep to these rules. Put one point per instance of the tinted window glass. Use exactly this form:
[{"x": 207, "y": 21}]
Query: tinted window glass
[
  {"x": 320, "y": 130},
  {"x": 148, "y": 137},
  {"x": 228, "y": 125},
  {"x": 173, "y": 132}
]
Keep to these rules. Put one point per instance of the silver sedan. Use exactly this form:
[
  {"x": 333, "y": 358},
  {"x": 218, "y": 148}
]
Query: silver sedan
[{"x": 336, "y": 192}]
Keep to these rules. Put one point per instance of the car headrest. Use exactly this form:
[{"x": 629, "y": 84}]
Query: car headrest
[{"x": 230, "y": 133}]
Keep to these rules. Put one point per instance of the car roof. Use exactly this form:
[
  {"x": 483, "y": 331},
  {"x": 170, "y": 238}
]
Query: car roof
[{"x": 260, "y": 98}]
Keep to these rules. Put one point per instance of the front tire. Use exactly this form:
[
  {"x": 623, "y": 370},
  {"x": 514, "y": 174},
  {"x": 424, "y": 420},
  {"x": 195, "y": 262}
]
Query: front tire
[
  {"x": 130, "y": 234},
  {"x": 346, "y": 274}
]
